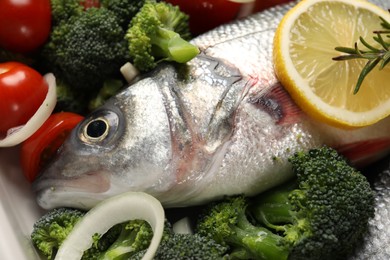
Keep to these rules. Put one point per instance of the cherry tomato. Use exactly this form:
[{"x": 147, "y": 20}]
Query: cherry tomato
[
  {"x": 263, "y": 4},
  {"x": 24, "y": 24},
  {"x": 207, "y": 14},
  {"x": 38, "y": 149},
  {"x": 22, "y": 91}
]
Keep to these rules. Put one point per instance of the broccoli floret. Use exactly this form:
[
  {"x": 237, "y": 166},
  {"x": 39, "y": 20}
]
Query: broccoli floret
[
  {"x": 124, "y": 10},
  {"x": 52, "y": 228},
  {"x": 320, "y": 215},
  {"x": 227, "y": 223},
  {"x": 159, "y": 32},
  {"x": 187, "y": 246},
  {"x": 110, "y": 88},
  {"x": 101, "y": 243},
  {"x": 87, "y": 49},
  {"x": 68, "y": 99},
  {"x": 121, "y": 241},
  {"x": 62, "y": 10},
  {"x": 6, "y": 56}
]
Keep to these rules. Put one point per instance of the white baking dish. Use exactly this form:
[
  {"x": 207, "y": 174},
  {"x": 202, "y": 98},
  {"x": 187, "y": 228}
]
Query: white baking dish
[{"x": 18, "y": 209}]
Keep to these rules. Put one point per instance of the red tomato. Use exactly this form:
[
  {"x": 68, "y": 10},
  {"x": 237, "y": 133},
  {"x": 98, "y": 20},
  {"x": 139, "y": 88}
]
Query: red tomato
[
  {"x": 24, "y": 24},
  {"x": 207, "y": 14},
  {"x": 22, "y": 91},
  {"x": 38, "y": 149},
  {"x": 263, "y": 4}
]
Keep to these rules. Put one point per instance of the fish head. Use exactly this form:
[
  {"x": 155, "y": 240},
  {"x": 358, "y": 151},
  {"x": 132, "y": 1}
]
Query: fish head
[{"x": 123, "y": 146}]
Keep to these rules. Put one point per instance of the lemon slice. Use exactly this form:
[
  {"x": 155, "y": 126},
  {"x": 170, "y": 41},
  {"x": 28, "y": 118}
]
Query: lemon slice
[{"x": 304, "y": 46}]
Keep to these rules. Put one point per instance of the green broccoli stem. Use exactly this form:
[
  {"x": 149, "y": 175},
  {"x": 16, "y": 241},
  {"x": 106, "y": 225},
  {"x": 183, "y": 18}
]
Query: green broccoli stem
[
  {"x": 122, "y": 248},
  {"x": 273, "y": 208},
  {"x": 257, "y": 240},
  {"x": 170, "y": 46},
  {"x": 273, "y": 211}
]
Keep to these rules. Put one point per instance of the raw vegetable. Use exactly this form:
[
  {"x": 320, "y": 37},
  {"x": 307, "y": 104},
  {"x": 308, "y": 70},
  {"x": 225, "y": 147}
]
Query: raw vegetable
[
  {"x": 17, "y": 135},
  {"x": 90, "y": 3},
  {"x": 187, "y": 246},
  {"x": 39, "y": 148},
  {"x": 52, "y": 228},
  {"x": 124, "y": 10},
  {"x": 121, "y": 241},
  {"x": 6, "y": 56},
  {"x": 159, "y": 32},
  {"x": 129, "y": 72},
  {"x": 116, "y": 210},
  {"x": 62, "y": 10},
  {"x": 25, "y": 25},
  {"x": 22, "y": 91},
  {"x": 69, "y": 99},
  {"x": 321, "y": 215},
  {"x": 110, "y": 88},
  {"x": 87, "y": 49},
  {"x": 89, "y": 46},
  {"x": 183, "y": 226}
]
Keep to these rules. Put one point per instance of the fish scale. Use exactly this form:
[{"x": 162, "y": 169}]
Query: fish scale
[{"x": 376, "y": 243}]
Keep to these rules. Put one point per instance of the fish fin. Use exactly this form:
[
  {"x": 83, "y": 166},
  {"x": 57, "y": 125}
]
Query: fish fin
[
  {"x": 362, "y": 153},
  {"x": 277, "y": 102}
]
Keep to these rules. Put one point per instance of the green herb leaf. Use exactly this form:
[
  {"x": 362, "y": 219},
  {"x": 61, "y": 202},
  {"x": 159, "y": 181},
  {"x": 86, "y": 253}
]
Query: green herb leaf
[
  {"x": 370, "y": 65},
  {"x": 373, "y": 55}
]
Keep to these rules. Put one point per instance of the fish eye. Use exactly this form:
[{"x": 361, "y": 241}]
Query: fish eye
[
  {"x": 96, "y": 129},
  {"x": 99, "y": 128}
]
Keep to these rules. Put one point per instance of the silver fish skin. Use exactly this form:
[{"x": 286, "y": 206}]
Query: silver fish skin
[
  {"x": 218, "y": 126},
  {"x": 377, "y": 240}
]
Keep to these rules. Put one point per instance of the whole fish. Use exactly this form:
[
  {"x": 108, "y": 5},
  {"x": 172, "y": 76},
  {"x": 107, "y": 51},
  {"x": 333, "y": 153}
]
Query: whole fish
[{"x": 220, "y": 125}]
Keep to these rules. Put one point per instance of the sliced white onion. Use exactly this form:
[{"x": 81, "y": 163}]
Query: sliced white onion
[
  {"x": 17, "y": 135},
  {"x": 183, "y": 226},
  {"x": 115, "y": 210},
  {"x": 129, "y": 72}
]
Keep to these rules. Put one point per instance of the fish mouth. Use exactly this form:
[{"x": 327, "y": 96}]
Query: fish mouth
[{"x": 82, "y": 192}]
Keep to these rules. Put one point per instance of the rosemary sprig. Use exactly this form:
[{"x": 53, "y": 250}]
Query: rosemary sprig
[{"x": 374, "y": 56}]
